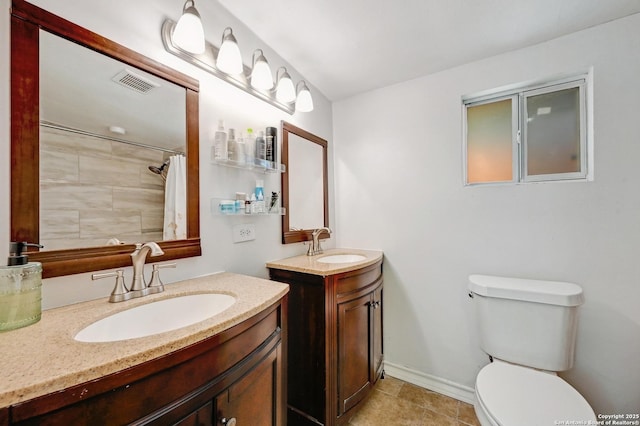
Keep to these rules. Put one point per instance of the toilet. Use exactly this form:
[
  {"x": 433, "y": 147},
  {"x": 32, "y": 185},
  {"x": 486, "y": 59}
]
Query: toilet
[{"x": 528, "y": 329}]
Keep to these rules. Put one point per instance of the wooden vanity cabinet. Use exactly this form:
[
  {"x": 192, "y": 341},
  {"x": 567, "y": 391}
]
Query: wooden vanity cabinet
[
  {"x": 238, "y": 374},
  {"x": 335, "y": 352}
]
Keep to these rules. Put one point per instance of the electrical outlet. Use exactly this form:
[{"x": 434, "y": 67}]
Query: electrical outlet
[{"x": 244, "y": 232}]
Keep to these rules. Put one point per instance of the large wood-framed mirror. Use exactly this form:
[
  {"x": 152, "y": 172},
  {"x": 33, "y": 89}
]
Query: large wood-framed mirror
[
  {"x": 33, "y": 30},
  {"x": 304, "y": 184}
]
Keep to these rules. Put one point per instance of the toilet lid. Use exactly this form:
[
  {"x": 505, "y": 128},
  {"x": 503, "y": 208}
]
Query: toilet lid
[{"x": 515, "y": 395}]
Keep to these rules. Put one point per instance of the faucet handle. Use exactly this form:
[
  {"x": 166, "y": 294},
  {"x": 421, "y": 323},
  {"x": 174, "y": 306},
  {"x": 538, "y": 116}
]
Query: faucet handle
[
  {"x": 156, "y": 285},
  {"x": 120, "y": 292}
]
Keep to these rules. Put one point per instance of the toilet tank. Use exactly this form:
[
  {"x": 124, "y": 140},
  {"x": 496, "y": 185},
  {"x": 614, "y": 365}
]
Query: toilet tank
[{"x": 527, "y": 322}]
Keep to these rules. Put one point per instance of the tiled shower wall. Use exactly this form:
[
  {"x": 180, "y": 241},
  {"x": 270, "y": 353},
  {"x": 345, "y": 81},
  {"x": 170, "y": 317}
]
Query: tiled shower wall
[{"x": 92, "y": 190}]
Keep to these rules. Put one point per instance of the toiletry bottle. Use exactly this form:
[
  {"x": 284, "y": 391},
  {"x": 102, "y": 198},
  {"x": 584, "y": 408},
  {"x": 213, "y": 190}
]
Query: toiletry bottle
[
  {"x": 250, "y": 147},
  {"x": 254, "y": 203},
  {"x": 261, "y": 148},
  {"x": 241, "y": 149},
  {"x": 272, "y": 145},
  {"x": 20, "y": 289},
  {"x": 220, "y": 150},
  {"x": 231, "y": 146},
  {"x": 260, "y": 207}
]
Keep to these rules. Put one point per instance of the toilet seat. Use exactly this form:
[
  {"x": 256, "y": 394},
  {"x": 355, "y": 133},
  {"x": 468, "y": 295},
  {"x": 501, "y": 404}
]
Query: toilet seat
[{"x": 512, "y": 395}]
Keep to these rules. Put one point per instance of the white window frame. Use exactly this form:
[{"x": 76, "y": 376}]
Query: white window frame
[{"x": 519, "y": 94}]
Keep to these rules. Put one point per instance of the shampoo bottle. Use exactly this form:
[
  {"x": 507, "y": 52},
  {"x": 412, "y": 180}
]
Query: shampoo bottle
[
  {"x": 232, "y": 149},
  {"x": 20, "y": 289},
  {"x": 250, "y": 147},
  {"x": 220, "y": 143},
  {"x": 240, "y": 149},
  {"x": 261, "y": 148}
]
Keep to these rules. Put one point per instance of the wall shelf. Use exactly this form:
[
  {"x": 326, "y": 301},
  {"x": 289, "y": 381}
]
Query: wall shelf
[
  {"x": 217, "y": 210},
  {"x": 254, "y": 164}
]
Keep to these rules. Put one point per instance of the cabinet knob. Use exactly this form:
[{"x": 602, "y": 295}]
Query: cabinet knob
[{"x": 228, "y": 422}]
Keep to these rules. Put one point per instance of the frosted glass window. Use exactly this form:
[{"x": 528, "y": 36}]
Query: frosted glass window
[
  {"x": 535, "y": 133},
  {"x": 553, "y": 134},
  {"x": 489, "y": 142}
]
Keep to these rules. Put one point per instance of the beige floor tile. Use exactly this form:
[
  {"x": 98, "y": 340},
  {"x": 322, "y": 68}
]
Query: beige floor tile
[
  {"x": 431, "y": 418},
  {"x": 394, "y": 402},
  {"x": 389, "y": 385},
  {"x": 467, "y": 415}
]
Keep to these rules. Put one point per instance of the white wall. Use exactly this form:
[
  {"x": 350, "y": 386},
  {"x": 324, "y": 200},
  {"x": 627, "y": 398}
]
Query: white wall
[
  {"x": 398, "y": 174},
  {"x": 137, "y": 26}
]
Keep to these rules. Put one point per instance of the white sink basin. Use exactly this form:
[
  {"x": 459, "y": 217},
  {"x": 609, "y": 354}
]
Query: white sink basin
[
  {"x": 156, "y": 317},
  {"x": 341, "y": 258}
]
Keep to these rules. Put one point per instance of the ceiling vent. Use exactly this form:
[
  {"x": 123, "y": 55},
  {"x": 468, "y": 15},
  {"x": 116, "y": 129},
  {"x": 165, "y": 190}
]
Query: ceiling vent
[{"x": 134, "y": 81}]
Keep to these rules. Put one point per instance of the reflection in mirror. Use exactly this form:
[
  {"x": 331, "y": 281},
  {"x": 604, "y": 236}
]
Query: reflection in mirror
[
  {"x": 108, "y": 132},
  {"x": 306, "y": 193},
  {"x": 74, "y": 182},
  {"x": 304, "y": 184}
]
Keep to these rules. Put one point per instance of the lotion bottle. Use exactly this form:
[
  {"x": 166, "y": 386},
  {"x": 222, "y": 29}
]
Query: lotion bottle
[
  {"x": 220, "y": 150},
  {"x": 250, "y": 147},
  {"x": 232, "y": 148}
]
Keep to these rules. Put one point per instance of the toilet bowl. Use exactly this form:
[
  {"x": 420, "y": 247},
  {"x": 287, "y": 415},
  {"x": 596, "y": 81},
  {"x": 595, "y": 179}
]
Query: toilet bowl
[{"x": 512, "y": 395}]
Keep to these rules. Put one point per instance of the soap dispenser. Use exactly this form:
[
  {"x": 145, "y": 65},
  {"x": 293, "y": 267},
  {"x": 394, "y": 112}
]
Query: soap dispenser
[{"x": 20, "y": 289}]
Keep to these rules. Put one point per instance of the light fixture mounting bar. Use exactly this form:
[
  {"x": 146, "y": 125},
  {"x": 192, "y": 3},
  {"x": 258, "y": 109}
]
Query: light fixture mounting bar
[{"x": 206, "y": 61}]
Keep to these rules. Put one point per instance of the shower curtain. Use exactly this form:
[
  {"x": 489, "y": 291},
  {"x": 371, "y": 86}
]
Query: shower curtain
[{"x": 175, "y": 200}]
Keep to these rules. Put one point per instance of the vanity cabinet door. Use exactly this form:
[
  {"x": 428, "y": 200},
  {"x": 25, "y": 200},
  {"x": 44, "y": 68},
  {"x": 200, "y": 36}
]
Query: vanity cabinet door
[
  {"x": 354, "y": 324},
  {"x": 359, "y": 347},
  {"x": 253, "y": 399}
]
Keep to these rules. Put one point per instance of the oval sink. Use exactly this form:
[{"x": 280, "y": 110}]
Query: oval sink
[
  {"x": 156, "y": 317},
  {"x": 341, "y": 258}
]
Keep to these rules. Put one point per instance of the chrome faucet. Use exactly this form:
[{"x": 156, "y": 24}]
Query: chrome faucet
[
  {"x": 315, "y": 247},
  {"x": 138, "y": 257}
]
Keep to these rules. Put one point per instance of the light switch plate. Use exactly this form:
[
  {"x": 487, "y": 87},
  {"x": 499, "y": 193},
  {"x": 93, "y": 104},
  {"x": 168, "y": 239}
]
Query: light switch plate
[{"x": 244, "y": 232}]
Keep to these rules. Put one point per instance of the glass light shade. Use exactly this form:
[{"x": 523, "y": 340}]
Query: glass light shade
[
  {"x": 285, "y": 91},
  {"x": 304, "y": 102},
  {"x": 261, "y": 77},
  {"x": 188, "y": 33},
  {"x": 229, "y": 58}
]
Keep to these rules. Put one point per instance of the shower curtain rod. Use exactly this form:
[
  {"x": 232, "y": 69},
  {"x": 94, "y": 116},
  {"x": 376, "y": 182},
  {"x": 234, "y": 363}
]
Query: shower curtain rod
[{"x": 51, "y": 125}]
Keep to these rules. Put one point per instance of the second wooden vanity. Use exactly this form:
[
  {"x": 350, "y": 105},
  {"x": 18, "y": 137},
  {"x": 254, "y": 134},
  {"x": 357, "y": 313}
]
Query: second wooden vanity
[
  {"x": 229, "y": 369},
  {"x": 335, "y": 349}
]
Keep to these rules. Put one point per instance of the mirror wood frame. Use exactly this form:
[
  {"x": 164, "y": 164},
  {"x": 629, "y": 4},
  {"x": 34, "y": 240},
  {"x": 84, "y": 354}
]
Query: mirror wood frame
[
  {"x": 289, "y": 236},
  {"x": 26, "y": 22}
]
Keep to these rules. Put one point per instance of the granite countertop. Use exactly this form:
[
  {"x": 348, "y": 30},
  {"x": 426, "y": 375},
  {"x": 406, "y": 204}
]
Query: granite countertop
[
  {"x": 44, "y": 358},
  {"x": 310, "y": 264}
]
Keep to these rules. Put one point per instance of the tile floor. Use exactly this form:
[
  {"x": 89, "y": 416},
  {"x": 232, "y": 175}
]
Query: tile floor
[{"x": 394, "y": 402}]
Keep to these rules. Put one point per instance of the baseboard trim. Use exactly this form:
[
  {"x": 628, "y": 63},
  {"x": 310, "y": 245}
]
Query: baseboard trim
[{"x": 433, "y": 383}]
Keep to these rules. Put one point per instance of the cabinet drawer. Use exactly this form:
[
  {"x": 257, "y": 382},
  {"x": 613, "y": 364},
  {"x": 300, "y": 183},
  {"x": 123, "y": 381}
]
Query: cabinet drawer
[{"x": 356, "y": 280}]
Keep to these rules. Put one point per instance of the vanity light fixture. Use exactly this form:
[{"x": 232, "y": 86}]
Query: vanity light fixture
[
  {"x": 225, "y": 62},
  {"x": 229, "y": 59},
  {"x": 285, "y": 91},
  {"x": 188, "y": 33},
  {"x": 304, "y": 102},
  {"x": 261, "y": 77}
]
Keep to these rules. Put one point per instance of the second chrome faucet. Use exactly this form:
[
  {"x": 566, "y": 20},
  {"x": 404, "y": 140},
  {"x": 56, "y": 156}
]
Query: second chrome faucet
[{"x": 315, "y": 247}]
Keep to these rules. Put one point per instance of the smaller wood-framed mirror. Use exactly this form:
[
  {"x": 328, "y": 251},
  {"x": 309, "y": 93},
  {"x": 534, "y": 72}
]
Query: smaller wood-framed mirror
[{"x": 304, "y": 184}]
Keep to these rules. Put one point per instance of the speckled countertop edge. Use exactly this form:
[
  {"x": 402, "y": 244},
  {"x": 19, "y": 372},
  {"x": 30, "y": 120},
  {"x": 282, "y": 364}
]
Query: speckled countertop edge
[
  {"x": 310, "y": 264},
  {"x": 44, "y": 358}
]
